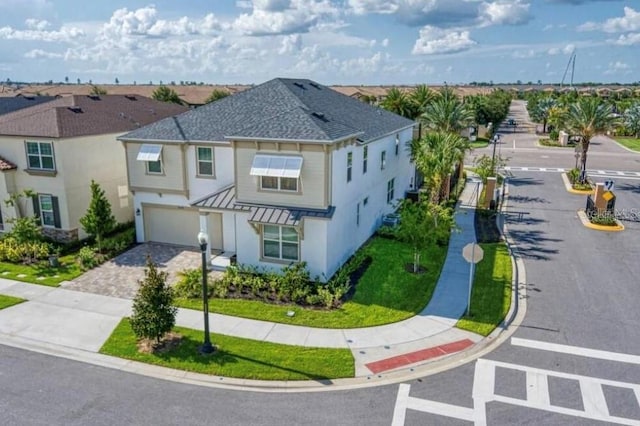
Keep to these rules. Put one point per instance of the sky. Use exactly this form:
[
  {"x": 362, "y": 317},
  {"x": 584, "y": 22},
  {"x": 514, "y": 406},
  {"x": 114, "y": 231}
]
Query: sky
[{"x": 348, "y": 42}]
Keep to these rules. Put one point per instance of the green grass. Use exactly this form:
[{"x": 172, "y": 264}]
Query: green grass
[
  {"x": 629, "y": 142},
  {"x": 50, "y": 276},
  {"x": 491, "y": 295},
  {"x": 6, "y": 301},
  {"x": 555, "y": 144},
  {"x": 386, "y": 293},
  {"x": 479, "y": 143},
  {"x": 236, "y": 357}
]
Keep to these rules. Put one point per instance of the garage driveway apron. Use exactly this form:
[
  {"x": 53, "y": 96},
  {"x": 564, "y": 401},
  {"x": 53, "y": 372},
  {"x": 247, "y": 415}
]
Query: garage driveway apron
[{"x": 119, "y": 277}]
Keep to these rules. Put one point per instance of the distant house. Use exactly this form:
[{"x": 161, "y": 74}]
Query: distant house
[
  {"x": 16, "y": 103},
  {"x": 55, "y": 149},
  {"x": 287, "y": 171}
]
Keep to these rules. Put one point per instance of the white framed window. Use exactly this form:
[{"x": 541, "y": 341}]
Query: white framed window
[
  {"x": 47, "y": 216},
  {"x": 204, "y": 158},
  {"x": 272, "y": 183},
  {"x": 40, "y": 156},
  {"x": 151, "y": 155},
  {"x": 397, "y": 145},
  {"x": 349, "y": 165},
  {"x": 365, "y": 158},
  {"x": 390, "y": 189},
  {"x": 280, "y": 242},
  {"x": 154, "y": 167},
  {"x": 383, "y": 160}
]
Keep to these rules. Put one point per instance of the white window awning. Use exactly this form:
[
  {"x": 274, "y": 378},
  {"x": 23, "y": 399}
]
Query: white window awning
[
  {"x": 149, "y": 152},
  {"x": 276, "y": 166}
]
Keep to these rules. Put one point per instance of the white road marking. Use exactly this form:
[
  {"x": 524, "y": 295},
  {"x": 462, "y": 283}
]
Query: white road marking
[
  {"x": 538, "y": 388},
  {"x": 575, "y": 350},
  {"x": 593, "y": 398},
  {"x": 620, "y": 173},
  {"x": 441, "y": 409},
  {"x": 400, "y": 411}
]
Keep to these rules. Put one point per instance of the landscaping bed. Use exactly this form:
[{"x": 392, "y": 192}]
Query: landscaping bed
[{"x": 486, "y": 227}]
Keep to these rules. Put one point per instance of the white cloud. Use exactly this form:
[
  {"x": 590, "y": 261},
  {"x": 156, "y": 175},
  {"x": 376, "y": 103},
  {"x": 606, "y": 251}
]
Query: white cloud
[
  {"x": 36, "y": 24},
  {"x": 39, "y": 53},
  {"x": 64, "y": 34},
  {"x": 524, "y": 54},
  {"x": 629, "y": 22},
  {"x": 504, "y": 12},
  {"x": 567, "y": 49},
  {"x": 272, "y": 17},
  {"x": 618, "y": 68},
  {"x": 434, "y": 40},
  {"x": 385, "y": 42},
  {"x": 363, "y": 7},
  {"x": 290, "y": 43},
  {"x": 627, "y": 39}
]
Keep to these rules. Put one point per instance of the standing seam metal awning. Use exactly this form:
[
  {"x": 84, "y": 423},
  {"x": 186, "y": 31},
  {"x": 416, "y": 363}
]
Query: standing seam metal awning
[
  {"x": 276, "y": 166},
  {"x": 149, "y": 152}
]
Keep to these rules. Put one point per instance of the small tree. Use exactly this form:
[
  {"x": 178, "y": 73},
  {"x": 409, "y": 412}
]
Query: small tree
[
  {"x": 95, "y": 90},
  {"x": 216, "y": 94},
  {"x": 98, "y": 221},
  {"x": 166, "y": 94},
  {"x": 153, "y": 312}
]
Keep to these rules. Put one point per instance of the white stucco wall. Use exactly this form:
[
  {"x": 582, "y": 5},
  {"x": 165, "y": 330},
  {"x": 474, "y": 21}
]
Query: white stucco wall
[{"x": 223, "y": 170}]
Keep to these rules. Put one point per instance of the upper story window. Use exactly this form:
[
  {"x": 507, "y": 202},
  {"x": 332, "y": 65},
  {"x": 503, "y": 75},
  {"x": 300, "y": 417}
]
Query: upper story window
[
  {"x": 365, "y": 158},
  {"x": 383, "y": 160},
  {"x": 349, "y": 165},
  {"x": 390, "y": 190},
  {"x": 204, "y": 158},
  {"x": 151, "y": 155},
  {"x": 277, "y": 172},
  {"x": 40, "y": 156}
]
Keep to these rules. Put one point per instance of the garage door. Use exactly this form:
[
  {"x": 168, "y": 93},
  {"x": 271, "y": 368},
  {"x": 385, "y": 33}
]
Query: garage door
[{"x": 171, "y": 225}]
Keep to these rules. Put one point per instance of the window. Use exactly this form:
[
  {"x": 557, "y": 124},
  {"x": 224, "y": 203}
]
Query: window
[
  {"x": 204, "y": 158},
  {"x": 349, "y": 165},
  {"x": 383, "y": 160},
  {"x": 280, "y": 242},
  {"x": 397, "y": 145},
  {"x": 47, "y": 216},
  {"x": 358, "y": 214},
  {"x": 154, "y": 167},
  {"x": 278, "y": 183},
  {"x": 365, "y": 157},
  {"x": 150, "y": 154},
  {"x": 390, "y": 188},
  {"x": 40, "y": 156},
  {"x": 365, "y": 201},
  {"x": 1, "y": 221}
]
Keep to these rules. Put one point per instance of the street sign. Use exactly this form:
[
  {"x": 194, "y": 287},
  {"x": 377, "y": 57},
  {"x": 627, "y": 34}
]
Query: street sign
[
  {"x": 472, "y": 253},
  {"x": 608, "y": 185},
  {"x": 608, "y": 196}
]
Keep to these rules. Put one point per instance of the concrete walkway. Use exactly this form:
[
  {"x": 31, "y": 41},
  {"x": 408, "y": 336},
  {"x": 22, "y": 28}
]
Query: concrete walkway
[{"x": 81, "y": 320}]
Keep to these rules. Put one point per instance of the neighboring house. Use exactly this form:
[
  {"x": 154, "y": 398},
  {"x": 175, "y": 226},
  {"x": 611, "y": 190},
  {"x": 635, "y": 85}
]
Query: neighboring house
[
  {"x": 56, "y": 148},
  {"x": 18, "y": 102},
  {"x": 287, "y": 171}
]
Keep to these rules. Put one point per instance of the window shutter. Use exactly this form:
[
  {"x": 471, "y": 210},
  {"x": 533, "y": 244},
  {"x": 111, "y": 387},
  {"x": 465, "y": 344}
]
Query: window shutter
[
  {"x": 56, "y": 212},
  {"x": 36, "y": 208}
]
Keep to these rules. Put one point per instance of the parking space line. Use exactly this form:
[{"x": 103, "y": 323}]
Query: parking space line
[
  {"x": 593, "y": 398},
  {"x": 400, "y": 410},
  {"x": 538, "y": 388},
  {"x": 576, "y": 350}
]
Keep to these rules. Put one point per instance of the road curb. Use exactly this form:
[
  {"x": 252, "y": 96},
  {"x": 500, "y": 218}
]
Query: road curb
[
  {"x": 570, "y": 189},
  {"x": 587, "y": 224}
]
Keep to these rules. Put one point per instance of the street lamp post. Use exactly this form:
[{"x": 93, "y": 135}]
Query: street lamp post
[
  {"x": 496, "y": 138},
  {"x": 206, "y": 347}
]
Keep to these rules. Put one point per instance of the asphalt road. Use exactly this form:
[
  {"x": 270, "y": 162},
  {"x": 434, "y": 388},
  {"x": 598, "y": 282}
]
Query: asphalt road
[{"x": 581, "y": 292}]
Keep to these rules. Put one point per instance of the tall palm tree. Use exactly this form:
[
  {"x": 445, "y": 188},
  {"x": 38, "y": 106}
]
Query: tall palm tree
[
  {"x": 447, "y": 113},
  {"x": 420, "y": 98},
  {"x": 542, "y": 110},
  {"x": 587, "y": 118},
  {"x": 398, "y": 102},
  {"x": 435, "y": 156}
]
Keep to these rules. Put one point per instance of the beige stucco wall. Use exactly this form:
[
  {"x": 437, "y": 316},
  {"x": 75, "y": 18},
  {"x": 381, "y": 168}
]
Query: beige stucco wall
[
  {"x": 171, "y": 180},
  {"x": 313, "y": 178}
]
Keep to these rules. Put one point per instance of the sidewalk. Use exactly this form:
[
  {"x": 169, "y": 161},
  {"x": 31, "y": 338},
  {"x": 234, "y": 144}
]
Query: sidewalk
[{"x": 84, "y": 321}]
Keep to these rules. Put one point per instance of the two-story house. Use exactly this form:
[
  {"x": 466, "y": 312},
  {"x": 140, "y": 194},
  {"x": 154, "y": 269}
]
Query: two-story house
[
  {"x": 287, "y": 171},
  {"x": 56, "y": 148}
]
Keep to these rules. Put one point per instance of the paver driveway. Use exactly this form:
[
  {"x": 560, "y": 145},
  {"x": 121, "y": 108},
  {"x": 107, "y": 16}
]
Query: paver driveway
[{"x": 119, "y": 277}]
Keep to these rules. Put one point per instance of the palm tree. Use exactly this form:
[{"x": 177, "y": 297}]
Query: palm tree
[
  {"x": 587, "y": 118},
  {"x": 420, "y": 98},
  {"x": 447, "y": 113},
  {"x": 398, "y": 102},
  {"x": 632, "y": 119},
  {"x": 435, "y": 156},
  {"x": 542, "y": 109}
]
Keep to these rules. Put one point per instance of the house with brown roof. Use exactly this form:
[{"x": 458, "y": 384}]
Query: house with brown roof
[{"x": 56, "y": 148}]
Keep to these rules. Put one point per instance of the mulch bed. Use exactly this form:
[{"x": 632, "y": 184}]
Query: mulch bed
[
  {"x": 170, "y": 341},
  {"x": 486, "y": 226}
]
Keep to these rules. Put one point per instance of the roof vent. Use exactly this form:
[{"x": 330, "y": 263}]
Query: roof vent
[
  {"x": 320, "y": 116},
  {"x": 300, "y": 85},
  {"x": 94, "y": 97},
  {"x": 75, "y": 109},
  {"x": 314, "y": 84},
  {"x": 130, "y": 97}
]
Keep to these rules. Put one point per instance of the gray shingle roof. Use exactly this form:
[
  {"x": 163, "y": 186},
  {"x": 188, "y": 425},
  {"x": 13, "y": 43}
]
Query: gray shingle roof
[
  {"x": 8, "y": 105},
  {"x": 290, "y": 109}
]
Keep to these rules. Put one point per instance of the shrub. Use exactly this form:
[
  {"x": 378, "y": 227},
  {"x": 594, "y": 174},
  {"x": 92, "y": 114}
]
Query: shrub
[
  {"x": 389, "y": 232},
  {"x": 88, "y": 258},
  {"x": 189, "y": 284},
  {"x": 603, "y": 219},
  {"x": 573, "y": 175},
  {"x": 554, "y": 135},
  {"x": 11, "y": 250},
  {"x": 119, "y": 242}
]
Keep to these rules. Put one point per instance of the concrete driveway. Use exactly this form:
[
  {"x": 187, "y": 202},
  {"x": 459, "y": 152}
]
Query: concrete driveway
[{"x": 119, "y": 277}]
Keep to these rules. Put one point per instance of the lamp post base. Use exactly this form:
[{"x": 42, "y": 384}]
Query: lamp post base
[{"x": 206, "y": 349}]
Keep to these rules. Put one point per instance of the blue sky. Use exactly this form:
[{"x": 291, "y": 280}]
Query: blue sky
[{"x": 331, "y": 41}]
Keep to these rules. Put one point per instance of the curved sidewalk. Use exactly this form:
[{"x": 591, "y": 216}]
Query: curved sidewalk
[{"x": 85, "y": 321}]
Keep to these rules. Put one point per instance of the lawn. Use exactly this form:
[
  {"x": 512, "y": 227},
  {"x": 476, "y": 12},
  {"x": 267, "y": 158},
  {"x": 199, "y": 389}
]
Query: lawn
[
  {"x": 629, "y": 142},
  {"x": 42, "y": 272},
  {"x": 491, "y": 295},
  {"x": 6, "y": 301},
  {"x": 236, "y": 357},
  {"x": 386, "y": 293},
  {"x": 479, "y": 143}
]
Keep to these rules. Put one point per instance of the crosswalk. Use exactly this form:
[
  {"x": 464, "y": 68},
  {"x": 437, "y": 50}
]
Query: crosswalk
[
  {"x": 593, "y": 172},
  {"x": 591, "y": 402}
]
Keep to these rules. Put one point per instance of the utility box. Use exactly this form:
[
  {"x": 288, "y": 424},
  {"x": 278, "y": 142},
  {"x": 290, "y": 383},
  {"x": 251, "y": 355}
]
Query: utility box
[
  {"x": 563, "y": 138},
  {"x": 489, "y": 191}
]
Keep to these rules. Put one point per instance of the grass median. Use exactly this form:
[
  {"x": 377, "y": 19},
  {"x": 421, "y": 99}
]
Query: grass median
[
  {"x": 237, "y": 357},
  {"x": 629, "y": 142},
  {"x": 6, "y": 301},
  {"x": 386, "y": 293},
  {"x": 491, "y": 295}
]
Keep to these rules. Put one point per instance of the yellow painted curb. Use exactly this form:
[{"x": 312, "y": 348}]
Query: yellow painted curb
[
  {"x": 570, "y": 189},
  {"x": 587, "y": 223}
]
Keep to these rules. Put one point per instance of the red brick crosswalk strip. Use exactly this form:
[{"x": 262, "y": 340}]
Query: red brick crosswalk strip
[{"x": 417, "y": 356}]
